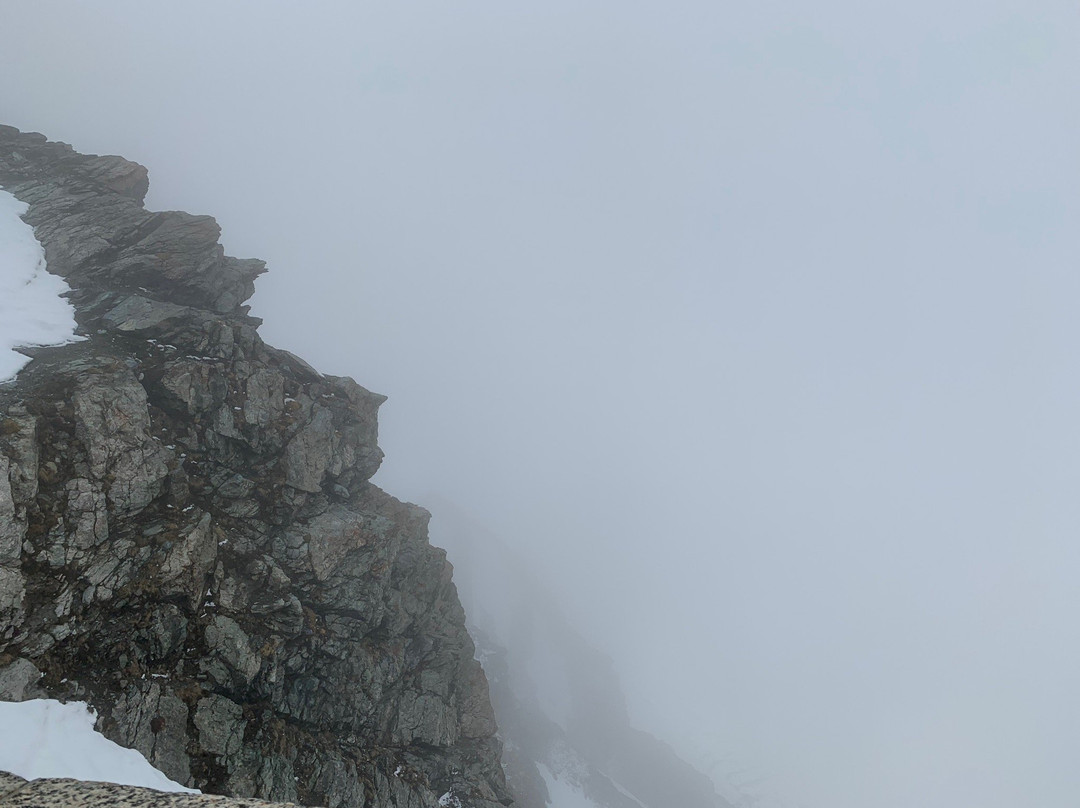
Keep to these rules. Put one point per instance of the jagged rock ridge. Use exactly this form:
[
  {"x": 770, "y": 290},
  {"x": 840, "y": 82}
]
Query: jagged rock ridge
[{"x": 189, "y": 539}]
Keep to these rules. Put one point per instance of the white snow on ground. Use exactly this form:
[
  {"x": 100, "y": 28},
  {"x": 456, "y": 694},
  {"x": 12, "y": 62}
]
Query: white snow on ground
[
  {"x": 563, "y": 793},
  {"x": 45, "y": 738},
  {"x": 626, "y": 793},
  {"x": 32, "y": 311}
]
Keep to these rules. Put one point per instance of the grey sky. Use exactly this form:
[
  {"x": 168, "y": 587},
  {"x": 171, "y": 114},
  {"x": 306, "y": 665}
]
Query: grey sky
[{"x": 753, "y": 325}]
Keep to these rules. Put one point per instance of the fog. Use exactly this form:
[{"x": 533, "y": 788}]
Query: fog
[{"x": 752, "y": 326}]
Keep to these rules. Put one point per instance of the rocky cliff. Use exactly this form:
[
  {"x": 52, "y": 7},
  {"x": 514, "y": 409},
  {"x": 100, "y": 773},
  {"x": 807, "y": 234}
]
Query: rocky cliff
[{"x": 189, "y": 539}]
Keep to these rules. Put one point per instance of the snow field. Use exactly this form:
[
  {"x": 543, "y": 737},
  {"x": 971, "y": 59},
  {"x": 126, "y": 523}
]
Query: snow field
[
  {"x": 32, "y": 309},
  {"x": 46, "y": 738}
]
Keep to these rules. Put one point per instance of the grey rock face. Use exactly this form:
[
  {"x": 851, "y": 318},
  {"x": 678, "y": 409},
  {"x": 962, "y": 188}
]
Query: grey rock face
[
  {"x": 189, "y": 538},
  {"x": 12, "y": 531},
  {"x": 152, "y": 717},
  {"x": 221, "y": 726},
  {"x": 112, "y": 421},
  {"x": 19, "y": 681}
]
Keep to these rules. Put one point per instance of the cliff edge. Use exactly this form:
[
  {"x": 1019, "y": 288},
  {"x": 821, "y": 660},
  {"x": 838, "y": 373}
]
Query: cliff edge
[{"x": 189, "y": 539}]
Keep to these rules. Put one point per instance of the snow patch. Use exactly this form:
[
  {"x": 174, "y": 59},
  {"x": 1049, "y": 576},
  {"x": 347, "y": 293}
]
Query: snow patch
[
  {"x": 626, "y": 793},
  {"x": 32, "y": 309},
  {"x": 562, "y": 793},
  {"x": 45, "y": 738}
]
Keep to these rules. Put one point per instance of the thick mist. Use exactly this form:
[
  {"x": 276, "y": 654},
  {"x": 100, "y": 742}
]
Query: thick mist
[{"x": 751, "y": 326}]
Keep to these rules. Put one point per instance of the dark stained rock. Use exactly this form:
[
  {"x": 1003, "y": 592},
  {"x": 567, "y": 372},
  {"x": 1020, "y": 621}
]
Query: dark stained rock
[{"x": 189, "y": 539}]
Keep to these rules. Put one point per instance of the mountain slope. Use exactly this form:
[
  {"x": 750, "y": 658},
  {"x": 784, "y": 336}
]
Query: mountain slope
[{"x": 562, "y": 714}]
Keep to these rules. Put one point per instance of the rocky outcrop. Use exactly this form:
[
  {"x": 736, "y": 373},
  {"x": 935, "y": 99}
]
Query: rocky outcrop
[
  {"x": 15, "y": 792},
  {"x": 189, "y": 539}
]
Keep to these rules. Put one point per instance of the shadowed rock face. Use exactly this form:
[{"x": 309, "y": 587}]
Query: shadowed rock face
[{"x": 189, "y": 539}]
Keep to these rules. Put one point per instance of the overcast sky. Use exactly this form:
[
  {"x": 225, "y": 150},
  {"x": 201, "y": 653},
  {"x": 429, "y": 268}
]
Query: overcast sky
[{"x": 753, "y": 325}]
